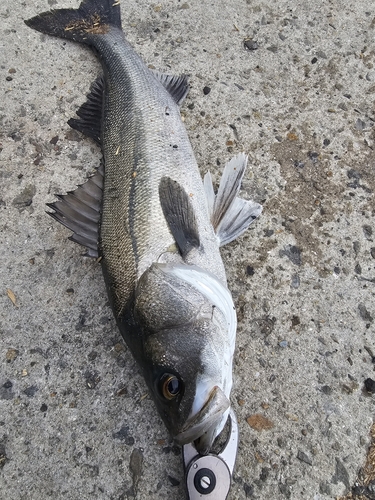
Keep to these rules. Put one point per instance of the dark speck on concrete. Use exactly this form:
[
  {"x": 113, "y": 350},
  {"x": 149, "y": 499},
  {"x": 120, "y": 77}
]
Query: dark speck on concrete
[
  {"x": 25, "y": 198},
  {"x": 92, "y": 355},
  {"x": 173, "y": 481},
  {"x": 250, "y": 271},
  {"x": 3, "y": 456},
  {"x": 341, "y": 474},
  {"x": 44, "y": 408},
  {"x": 363, "y": 312},
  {"x": 285, "y": 490},
  {"x": 31, "y": 391},
  {"x": 206, "y": 90},
  {"x": 326, "y": 389},
  {"x": 370, "y": 385},
  {"x": 296, "y": 321},
  {"x": 250, "y": 44},
  {"x": 268, "y": 232},
  {"x": 123, "y": 435},
  {"x": 360, "y": 124},
  {"x": 172, "y": 449},
  {"x": 293, "y": 253},
  {"x": 6, "y": 390},
  {"x": 303, "y": 457},
  {"x": 264, "y": 473},
  {"x": 367, "y": 231},
  {"x": 135, "y": 466},
  {"x": 295, "y": 281},
  {"x": 356, "y": 247},
  {"x": 313, "y": 155},
  {"x": 372, "y": 252},
  {"x": 248, "y": 489},
  {"x": 92, "y": 379}
]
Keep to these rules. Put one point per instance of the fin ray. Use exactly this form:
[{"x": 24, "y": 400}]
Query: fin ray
[
  {"x": 179, "y": 214},
  {"x": 230, "y": 215},
  {"x": 177, "y": 86},
  {"x": 90, "y": 113},
  {"x": 79, "y": 211}
]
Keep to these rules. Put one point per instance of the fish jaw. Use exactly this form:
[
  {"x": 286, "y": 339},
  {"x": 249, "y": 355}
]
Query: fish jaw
[{"x": 203, "y": 425}]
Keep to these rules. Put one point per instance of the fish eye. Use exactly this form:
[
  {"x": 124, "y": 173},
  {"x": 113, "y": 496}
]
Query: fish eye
[{"x": 170, "y": 386}]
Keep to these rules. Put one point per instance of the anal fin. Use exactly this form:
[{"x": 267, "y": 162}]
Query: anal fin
[
  {"x": 230, "y": 215},
  {"x": 79, "y": 211},
  {"x": 179, "y": 214}
]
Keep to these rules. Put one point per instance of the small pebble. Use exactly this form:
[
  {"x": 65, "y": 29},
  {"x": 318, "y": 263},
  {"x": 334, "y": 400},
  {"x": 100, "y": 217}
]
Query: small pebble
[
  {"x": 303, "y": 457},
  {"x": 250, "y": 271},
  {"x": 370, "y": 385},
  {"x": 206, "y": 90},
  {"x": 367, "y": 231},
  {"x": 250, "y": 44},
  {"x": 295, "y": 281},
  {"x": 283, "y": 343}
]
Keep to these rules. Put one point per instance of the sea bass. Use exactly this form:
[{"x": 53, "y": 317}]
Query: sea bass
[{"x": 155, "y": 226}]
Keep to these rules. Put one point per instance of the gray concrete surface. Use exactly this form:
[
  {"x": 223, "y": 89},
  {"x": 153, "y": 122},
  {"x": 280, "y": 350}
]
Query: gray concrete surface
[{"x": 76, "y": 421}]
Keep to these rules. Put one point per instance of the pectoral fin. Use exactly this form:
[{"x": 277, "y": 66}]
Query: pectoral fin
[
  {"x": 179, "y": 214},
  {"x": 230, "y": 215},
  {"x": 79, "y": 211}
]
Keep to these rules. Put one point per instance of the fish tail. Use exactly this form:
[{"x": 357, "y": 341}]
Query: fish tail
[{"x": 93, "y": 17}]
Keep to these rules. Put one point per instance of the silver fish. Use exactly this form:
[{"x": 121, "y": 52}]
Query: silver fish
[{"x": 155, "y": 226}]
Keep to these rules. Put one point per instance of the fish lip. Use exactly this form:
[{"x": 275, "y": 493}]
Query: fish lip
[{"x": 206, "y": 419}]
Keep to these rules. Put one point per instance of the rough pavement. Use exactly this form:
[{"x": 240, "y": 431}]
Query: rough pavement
[{"x": 75, "y": 418}]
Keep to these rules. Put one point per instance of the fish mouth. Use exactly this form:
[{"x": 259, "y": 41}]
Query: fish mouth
[{"x": 201, "y": 427}]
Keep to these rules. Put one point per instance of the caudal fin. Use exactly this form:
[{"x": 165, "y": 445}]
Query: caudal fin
[{"x": 93, "y": 17}]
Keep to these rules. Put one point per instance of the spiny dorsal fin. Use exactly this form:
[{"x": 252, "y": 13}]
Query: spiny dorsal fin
[
  {"x": 177, "y": 86},
  {"x": 179, "y": 214},
  {"x": 230, "y": 215},
  {"x": 79, "y": 211},
  {"x": 90, "y": 112}
]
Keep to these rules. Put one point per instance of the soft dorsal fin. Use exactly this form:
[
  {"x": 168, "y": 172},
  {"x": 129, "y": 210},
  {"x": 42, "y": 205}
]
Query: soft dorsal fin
[
  {"x": 177, "y": 86},
  {"x": 179, "y": 214},
  {"x": 79, "y": 210},
  {"x": 90, "y": 113},
  {"x": 230, "y": 215}
]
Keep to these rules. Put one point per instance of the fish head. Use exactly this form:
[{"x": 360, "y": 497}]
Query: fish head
[{"x": 187, "y": 351}]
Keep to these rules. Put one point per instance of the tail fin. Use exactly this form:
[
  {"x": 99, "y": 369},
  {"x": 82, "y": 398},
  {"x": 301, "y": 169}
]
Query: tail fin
[{"x": 93, "y": 17}]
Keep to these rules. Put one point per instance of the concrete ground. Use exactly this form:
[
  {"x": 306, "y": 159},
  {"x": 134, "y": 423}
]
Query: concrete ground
[{"x": 76, "y": 421}]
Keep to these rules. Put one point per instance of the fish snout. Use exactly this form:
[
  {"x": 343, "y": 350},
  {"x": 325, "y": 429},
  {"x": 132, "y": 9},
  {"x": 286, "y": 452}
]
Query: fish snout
[{"x": 203, "y": 427}]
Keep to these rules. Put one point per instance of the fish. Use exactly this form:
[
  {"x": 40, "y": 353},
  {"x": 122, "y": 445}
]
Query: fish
[{"x": 155, "y": 226}]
